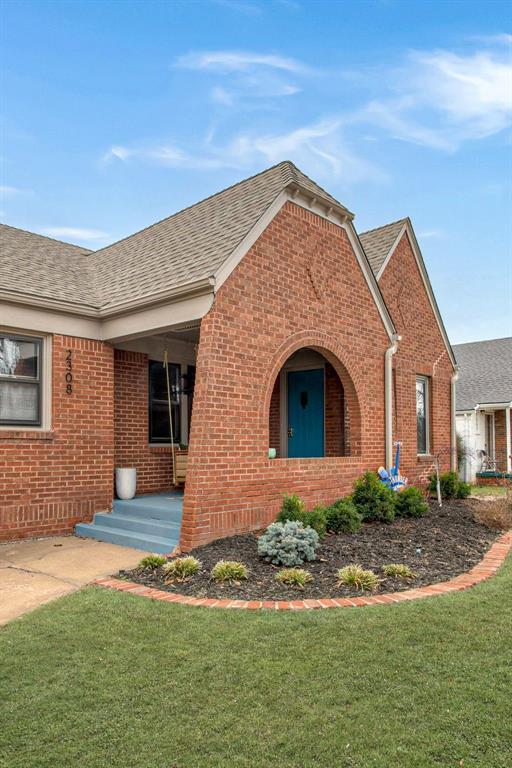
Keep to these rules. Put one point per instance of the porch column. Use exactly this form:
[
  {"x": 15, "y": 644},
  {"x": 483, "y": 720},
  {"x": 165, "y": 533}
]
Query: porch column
[{"x": 507, "y": 438}]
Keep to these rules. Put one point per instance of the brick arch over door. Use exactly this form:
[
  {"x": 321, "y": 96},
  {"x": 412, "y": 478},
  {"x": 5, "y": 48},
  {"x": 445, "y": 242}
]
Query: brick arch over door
[{"x": 337, "y": 356}]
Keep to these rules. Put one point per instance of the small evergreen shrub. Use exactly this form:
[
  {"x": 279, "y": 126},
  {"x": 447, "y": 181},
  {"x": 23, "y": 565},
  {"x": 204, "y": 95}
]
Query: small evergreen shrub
[
  {"x": 343, "y": 517},
  {"x": 463, "y": 490},
  {"x": 293, "y": 508},
  {"x": 152, "y": 562},
  {"x": 398, "y": 571},
  {"x": 288, "y": 543},
  {"x": 410, "y": 503},
  {"x": 315, "y": 519},
  {"x": 449, "y": 483},
  {"x": 373, "y": 500},
  {"x": 294, "y": 577},
  {"x": 181, "y": 568},
  {"x": 356, "y": 576},
  {"x": 229, "y": 571}
]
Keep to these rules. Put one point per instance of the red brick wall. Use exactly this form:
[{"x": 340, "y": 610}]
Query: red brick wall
[
  {"x": 500, "y": 440},
  {"x": 421, "y": 351},
  {"x": 49, "y": 481},
  {"x": 132, "y": 449},
  {"x": 267, "y": 309},
  {"x": 275, "y": 418}
]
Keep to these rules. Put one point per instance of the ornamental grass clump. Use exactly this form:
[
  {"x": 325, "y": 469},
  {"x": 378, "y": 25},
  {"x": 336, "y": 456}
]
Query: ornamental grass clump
[
  {"x": 356, "y": 576},
  {"x": 288, "y": 544},
  {"x": 151, "y": 562},
  {"x": 398, "y": 571},
  {"x": 229, "y": 572},
  {"x": 294, "y": 577},
  {"x": 181, "y": 568},
  {"x": 374, "y": 500},
  {"x": 343, "y": 517}
]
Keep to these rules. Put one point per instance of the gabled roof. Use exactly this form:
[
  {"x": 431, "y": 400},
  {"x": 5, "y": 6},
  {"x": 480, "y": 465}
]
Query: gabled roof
[
  {"x": 192, "y": 244},
  {"x": 485, "y": 373},
  {"x": 378, "y": 242},
  {"x": 179, "y": 251},
  {"x": 41, "y": 266}
]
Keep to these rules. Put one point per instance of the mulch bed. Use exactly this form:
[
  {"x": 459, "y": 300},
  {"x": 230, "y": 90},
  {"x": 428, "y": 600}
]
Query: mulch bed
[{"x": 443, "y": 544}]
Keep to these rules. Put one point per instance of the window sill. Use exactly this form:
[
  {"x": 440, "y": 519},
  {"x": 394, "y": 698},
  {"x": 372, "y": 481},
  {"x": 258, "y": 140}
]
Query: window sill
[
  {"x": 424, "y": 457},
  {"x": 26, "y": 434}
]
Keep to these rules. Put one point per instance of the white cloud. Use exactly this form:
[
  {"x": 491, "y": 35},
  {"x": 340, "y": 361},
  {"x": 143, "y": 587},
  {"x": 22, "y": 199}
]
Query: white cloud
[
  {"x": 76, "y": 233},
  {"x": 221, "y": 96},
  {"x": 430, "y": 233},
  {"x": 9, "y": 191},
  {"x": 237, "y": 61}
]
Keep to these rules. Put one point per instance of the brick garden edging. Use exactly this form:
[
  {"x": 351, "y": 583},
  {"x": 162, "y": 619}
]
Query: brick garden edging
[{"x": 487, "y": 567}]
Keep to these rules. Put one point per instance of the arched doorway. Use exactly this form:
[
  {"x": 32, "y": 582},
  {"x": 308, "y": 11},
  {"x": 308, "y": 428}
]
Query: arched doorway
[{"x": 310, "y": 413}]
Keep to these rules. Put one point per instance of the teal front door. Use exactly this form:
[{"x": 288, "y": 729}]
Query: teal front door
[{"x": 306, "y": 413}]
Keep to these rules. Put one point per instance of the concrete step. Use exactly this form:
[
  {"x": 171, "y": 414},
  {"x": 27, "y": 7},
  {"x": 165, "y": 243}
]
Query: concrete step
[
  {"x": 125, "y": 538},
  {"x": 141, "y": 525},
  {"x": 160, "y": 509}
]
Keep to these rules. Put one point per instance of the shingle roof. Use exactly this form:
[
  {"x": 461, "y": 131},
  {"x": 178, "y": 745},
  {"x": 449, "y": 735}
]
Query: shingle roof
[
  {"x": 193, "y": 243},
  {"x": 485, "y": 372},
  {"x": 184, "y": 248},
  {"x": 41, "y": 266},
  {"x": 377, "y": 242}
]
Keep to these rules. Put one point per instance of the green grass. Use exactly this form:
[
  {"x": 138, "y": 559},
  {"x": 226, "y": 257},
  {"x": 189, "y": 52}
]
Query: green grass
[
  {"x": 487, "y": 490},
  {"x": 106, "y": 680}
]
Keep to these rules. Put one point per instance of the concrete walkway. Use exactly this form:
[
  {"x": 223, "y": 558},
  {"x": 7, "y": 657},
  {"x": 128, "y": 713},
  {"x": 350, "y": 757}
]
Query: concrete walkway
[{"x": 35, "y": 571}]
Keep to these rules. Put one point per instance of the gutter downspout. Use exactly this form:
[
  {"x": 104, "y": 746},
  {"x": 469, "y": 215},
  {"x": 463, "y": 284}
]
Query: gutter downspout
[
  {"x": 388, "y": 398},
  {"x": 453, "y": 424}
]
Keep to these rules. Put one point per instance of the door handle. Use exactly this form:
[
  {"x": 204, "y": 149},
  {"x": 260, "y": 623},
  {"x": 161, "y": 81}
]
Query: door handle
[{"x": 290, "y": 431}]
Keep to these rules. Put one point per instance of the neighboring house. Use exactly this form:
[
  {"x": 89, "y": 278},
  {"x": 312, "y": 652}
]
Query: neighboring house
[
  {"x": 285, "y": 330},
  {"x": 484, "y": 401}
]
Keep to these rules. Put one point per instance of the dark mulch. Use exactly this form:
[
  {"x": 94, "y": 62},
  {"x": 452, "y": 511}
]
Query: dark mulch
[{"x": 444, "y": 543}]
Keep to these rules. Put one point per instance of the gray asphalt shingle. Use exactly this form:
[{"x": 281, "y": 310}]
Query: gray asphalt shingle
[
  {"x": 485, "y": 372},
  {"x": 378, "y": 242}
]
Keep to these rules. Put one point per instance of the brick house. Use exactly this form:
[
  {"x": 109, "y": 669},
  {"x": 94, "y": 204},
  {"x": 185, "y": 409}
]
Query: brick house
[
  {"x": 285, "y": 330},
  {"x": 484, "y": 405}
]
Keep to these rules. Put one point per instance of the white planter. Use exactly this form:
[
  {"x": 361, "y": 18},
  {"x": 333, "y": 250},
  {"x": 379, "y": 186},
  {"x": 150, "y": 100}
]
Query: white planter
[{"x": 126, "y": 482}]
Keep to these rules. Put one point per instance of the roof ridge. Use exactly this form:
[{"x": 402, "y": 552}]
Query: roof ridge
[
  {"x": 483, "y": 341},
  {"x": 85, "y": 251},
  {"x": 193, "y": 205},
  {"x": 383, "y": 226}
]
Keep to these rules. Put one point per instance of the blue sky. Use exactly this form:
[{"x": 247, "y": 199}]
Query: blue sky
[{"x": 116, "y": 114}]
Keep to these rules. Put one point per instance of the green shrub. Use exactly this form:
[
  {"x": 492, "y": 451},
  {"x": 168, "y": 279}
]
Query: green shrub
[
  {"x": 294, "y": 577},
  {"x": 410, "y": 503},
  {"x": 374, "y": 500},
  {"x": 152, "y": 562},
  {"x": 463, "y": 490},
  {"x": 182, "y": 568},
  {"x": 293, "y": 508},
  {"x": 398, "y": 571},
  {"x": 288, "y": 543},
  {"x": 315, "y": 519},
  {"x": 343, "y": 517},
  {"x": 356, "y": 576},
  {"x": 229, "y": 571}
]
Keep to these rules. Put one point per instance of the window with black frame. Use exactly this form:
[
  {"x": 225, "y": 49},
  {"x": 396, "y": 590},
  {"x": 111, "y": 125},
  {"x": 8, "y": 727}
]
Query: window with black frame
[
  {"x": 159, "y": 428},
  {"x": 422, "y": 414},
  {"x": 20, "y": 380}
]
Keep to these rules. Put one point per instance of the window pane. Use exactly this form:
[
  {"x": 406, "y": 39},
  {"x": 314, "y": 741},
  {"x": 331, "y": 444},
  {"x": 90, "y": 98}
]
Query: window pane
[
  {"x": 19, "y": 402},
  {"x": 159, "y": 422},
  {"x": 421, "y": 414},
  {"x": 158, "y": 381},
  {"x": 19, "y": 358}
]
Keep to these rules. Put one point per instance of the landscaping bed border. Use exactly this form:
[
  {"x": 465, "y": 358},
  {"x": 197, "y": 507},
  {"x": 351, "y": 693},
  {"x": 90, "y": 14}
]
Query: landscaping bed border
[{"x": 486, "y": 568}]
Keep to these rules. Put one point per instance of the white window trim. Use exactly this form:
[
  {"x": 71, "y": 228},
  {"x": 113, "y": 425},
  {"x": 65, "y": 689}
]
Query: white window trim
[
  {"x": 426, "y": 380},
  {"x": 45, "y": 383}
]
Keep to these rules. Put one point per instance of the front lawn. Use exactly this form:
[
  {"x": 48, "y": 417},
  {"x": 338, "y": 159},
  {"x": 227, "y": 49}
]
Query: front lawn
[{"x": 106, "y": 680}]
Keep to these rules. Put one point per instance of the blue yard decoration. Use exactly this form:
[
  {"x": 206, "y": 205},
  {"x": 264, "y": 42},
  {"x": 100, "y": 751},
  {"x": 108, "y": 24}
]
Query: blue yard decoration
[{"x": 393, "y": 479}]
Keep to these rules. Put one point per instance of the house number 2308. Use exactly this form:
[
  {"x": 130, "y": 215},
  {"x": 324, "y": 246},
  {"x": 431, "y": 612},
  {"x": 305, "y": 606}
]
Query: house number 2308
[{"x": 69, "y": 372}]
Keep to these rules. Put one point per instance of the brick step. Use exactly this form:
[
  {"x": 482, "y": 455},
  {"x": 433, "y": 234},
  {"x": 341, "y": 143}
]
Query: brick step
[{"x": 126, "y": 538}]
